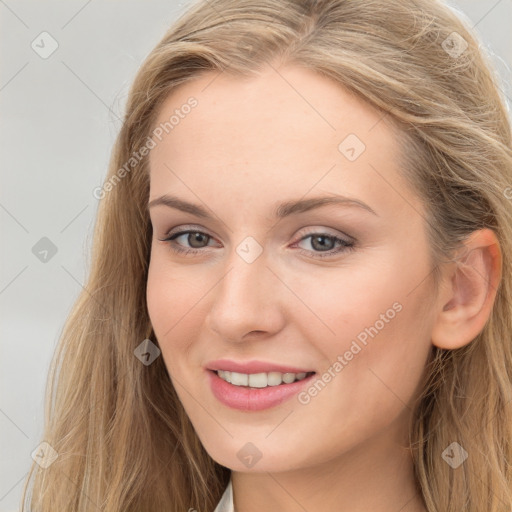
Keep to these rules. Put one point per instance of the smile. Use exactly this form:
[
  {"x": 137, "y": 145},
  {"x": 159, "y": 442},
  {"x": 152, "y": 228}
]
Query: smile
[
  {"x": 260, "y": 380},
  {"x": 256, "y": 391}
]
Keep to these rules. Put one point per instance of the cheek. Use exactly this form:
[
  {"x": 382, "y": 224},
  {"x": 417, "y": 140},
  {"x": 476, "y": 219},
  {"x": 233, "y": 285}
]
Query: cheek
[
  {"x": 160, "y": 297},
  {"x": 375, "y": 324},
  {"x": 399, "y": 352},
  {"x": 171, "y": 291},
  {"x": 174, "y": 307},
  {"x": 373, "y": 364},
  {"x": 346, "y": 302}
]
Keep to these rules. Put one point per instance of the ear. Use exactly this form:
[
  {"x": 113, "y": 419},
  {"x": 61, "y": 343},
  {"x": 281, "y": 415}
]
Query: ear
[{"x": 467, "y": 291}]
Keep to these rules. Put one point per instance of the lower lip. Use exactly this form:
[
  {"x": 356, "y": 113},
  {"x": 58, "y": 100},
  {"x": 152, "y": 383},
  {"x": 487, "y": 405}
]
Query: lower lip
[{"x": 244, "y": 398}]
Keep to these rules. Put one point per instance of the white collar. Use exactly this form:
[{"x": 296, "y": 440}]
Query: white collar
[{"x": 226, "y": 502}]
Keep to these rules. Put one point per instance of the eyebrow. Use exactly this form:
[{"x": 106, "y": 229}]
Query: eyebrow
[{"x": 282, "y": 210}]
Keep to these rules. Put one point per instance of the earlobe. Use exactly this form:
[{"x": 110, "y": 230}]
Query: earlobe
[{"x": 469, "y": 289}]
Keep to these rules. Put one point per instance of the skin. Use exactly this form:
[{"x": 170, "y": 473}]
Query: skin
[{"x": 249, "y": 145}]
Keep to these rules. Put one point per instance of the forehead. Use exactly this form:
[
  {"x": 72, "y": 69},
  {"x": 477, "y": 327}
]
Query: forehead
[
  {"x": 285, "y": 129},
  {"x": 293, "y": 101}
]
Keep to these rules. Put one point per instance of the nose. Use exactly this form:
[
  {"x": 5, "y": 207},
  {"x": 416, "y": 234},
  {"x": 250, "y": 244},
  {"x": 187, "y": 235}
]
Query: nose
[{"x": 247, "y": 301}]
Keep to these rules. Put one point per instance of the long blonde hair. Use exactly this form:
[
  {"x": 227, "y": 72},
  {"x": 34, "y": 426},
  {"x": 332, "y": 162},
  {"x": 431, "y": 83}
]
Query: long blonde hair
[{"x": 122, "y": 436}]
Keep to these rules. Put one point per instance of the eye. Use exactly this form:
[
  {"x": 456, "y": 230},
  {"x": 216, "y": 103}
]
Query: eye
[
  {"x": 325, "y": 245},
  {"x": 197, "y": 241}
]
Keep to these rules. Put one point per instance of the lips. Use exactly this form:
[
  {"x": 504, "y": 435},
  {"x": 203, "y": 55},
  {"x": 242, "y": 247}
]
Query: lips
[
  {"x": 251, "y": 367},
  {"x": 248, "y": 399}
]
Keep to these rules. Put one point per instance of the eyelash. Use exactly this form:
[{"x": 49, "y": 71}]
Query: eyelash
[{"x": 346, "y": 246}]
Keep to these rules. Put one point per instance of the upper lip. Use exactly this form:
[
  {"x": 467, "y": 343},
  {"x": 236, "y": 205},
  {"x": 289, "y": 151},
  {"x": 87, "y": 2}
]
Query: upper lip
[{"x": 251, "y": 367}]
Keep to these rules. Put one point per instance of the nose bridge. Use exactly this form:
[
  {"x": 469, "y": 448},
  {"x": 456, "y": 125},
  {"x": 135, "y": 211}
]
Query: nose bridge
[
  {"x": 244, "y": 300},
  {"x": 244, "y": 283}
]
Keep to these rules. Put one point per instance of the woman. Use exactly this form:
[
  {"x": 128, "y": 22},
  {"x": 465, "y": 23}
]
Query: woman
[{"x": 300, "y": 290}]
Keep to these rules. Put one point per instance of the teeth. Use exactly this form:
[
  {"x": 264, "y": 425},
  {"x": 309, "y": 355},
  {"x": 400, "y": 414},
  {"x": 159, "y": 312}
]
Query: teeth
[
  {"x": 260, "y": 380},
  {"x": 239, "y": 379},
  {"x": 274, "y": 378}
]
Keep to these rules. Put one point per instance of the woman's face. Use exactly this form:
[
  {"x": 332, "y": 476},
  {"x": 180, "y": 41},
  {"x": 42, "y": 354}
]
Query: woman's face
[{"x": 276, "y": 278}]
